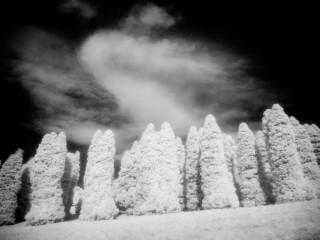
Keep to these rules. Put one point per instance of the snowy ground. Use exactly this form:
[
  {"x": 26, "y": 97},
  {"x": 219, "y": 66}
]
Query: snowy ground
[{"x": 286, "y": 221}]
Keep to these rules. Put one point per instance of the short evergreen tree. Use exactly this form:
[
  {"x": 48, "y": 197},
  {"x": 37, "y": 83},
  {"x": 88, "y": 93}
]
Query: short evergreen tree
[
  {"x": 314, "y": 135},
  {"x": 229, "y": 153},
  {"x": 264, "y": 169},
  {"x": 46, "y": 175},
  {"x": 307, "y": 156},
  {"x": 181, "y": 154},
  {"x": 10, "y": 184},
  {"x": 284, "y": 158},
  {"x": 126, "y": 182},
  {"x": 193, "y": 170},
  {"x": 216, "y": 184},
  {"x": 250, "y": 189},
  {"x": 98, "y": 197}
]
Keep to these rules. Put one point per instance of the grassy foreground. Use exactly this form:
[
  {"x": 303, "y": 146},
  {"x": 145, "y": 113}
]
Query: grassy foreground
[{"x": 285, "y": 221}]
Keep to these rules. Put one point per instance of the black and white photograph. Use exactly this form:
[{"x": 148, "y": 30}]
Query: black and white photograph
[{"x": 159, "y": 120}]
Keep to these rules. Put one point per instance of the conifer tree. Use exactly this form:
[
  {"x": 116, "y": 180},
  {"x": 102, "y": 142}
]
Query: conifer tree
[
  {"x": 148, "y": 179},
  {"x": 284, "y": 158},
  {"x": 181, "y": 154},
  {"x": 192, "y": 170},
  {"x": 250, "y": 189},
  {"x": 314, "y": 135},
  {"x": 307, "y": 156},
  {"x": 46, "y": 174},
  {"x": 228, "y": 146},
  {"x": 10, "y": 184},
  {"x": 126, "y": 182},
  {"x": 98, "y": 197},
  {"x": 264, "y": 169},
  {"x": 216, "y": 184}
]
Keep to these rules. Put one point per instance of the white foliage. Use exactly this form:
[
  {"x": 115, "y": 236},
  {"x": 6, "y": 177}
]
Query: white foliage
[
  {"x": 181, "y": 155},
  {"x": 250, "y": 189},
  {"x": 46, "y": 174},
  {"x": 264, "y": 169},
  {"x": 157, "y": 188},
  {"x": 126, "y": 183},
  {"x": 98, "y": 197},
  {"x": 314, "y": 134},
  {"x": 10, "y": 184},
  {"x": 307, "y": 156},
  {"x": 284, "y": 158},
  {"x": 217, "y": 187},
  {"x": 192, "y": 170}
]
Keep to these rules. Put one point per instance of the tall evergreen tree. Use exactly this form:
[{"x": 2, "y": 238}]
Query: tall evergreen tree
[
  {"x": 250, "y": 189},
  {"x": 216, "y": 184},
  {"x": 148, "y": 180},
  {"x": 284, "y": 158},
  {"x": 10, "y": 184},
  {"x": 126, "y": 183},
  {"x": 46, "y": 174},
  {"x": 264, "y": 169},
  {"x": 181, "y": 154},
  {"x": 193, "y": 170},
  {"x": 307, "y": 156},
  {"x": 314, "y": 135},
  {"x": 98, "y": 197}
]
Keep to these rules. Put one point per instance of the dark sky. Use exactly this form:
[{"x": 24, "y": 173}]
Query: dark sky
[{"x": 277, "y": 39}]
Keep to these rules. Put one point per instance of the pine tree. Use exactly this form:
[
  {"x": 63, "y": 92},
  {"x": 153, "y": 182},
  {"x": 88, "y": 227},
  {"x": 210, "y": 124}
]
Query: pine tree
[
  {"x": 98, "y": 197},
  {"x": 229, "y": 154},
  {"x": 284, "y": 158},
  {"x": 181, "y": 154},
  {"x": 192, "y": 170},
  {"x": 148, "y": 179},
  {"x": 46, "y": 174},
  {"x": 10, "y": 184},
  {"x": 126, "y": 183},
  {"x": 264, "y": 169},
  {"x": 250, "y": 189},
  {"x": 314, "y": 135},
  {"x": 307, "y": 157},
  {"x": 216, "y": 185}
]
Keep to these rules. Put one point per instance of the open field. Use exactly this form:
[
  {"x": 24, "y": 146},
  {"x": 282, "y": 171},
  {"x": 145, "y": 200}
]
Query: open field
[{"x": 285, "y": 221}]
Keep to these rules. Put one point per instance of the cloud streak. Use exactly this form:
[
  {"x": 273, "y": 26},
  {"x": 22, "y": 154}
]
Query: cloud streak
[
  {"x": 121, "y": 80},
  {"x": 84, "y": 9}
]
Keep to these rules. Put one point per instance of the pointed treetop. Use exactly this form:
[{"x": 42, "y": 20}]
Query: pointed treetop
[
  {"x": 210, "y": 119},
  {"x": 108, "y": 135},
  {"x": 277, "y": 106},
  {"x": 150, "y": 128},
  {"x": 294, "y": 121},
  {"x": 167, "y": 130},
  {"x": 193, "y": 131},
  {"x": 243, "y": 127},
  {"x": 96, "y": 136}
]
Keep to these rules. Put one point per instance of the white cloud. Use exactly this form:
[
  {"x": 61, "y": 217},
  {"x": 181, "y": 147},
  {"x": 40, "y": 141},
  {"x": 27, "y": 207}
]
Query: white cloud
[{"x": 122, "y": 81}]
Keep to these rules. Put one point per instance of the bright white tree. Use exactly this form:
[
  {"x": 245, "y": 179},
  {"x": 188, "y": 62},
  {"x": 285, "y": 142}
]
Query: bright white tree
[
  {"x": 285, "y": 164},
  {"x": 307, "y": 156},
  {"x": 247, "y": 168},
  {"x": 46, "y": 174},
  {"x": 192, "y": 170},
  {"x": 314, "y": 135},
  {"x": 10, "y": 183},
  {"x": 98, "y": 197},
  {"x": 216, "y": 184},
  {"x": 229, "y": 153},
  {"x": 181, "y": 154},
  {"x": 126, "y": 183},
  {"x": 264, "y": 169}
]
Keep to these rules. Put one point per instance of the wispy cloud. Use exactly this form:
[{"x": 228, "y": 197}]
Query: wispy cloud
[
  {"x": 84, "y": 9},
  {"x": 121, "y": 80}
]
